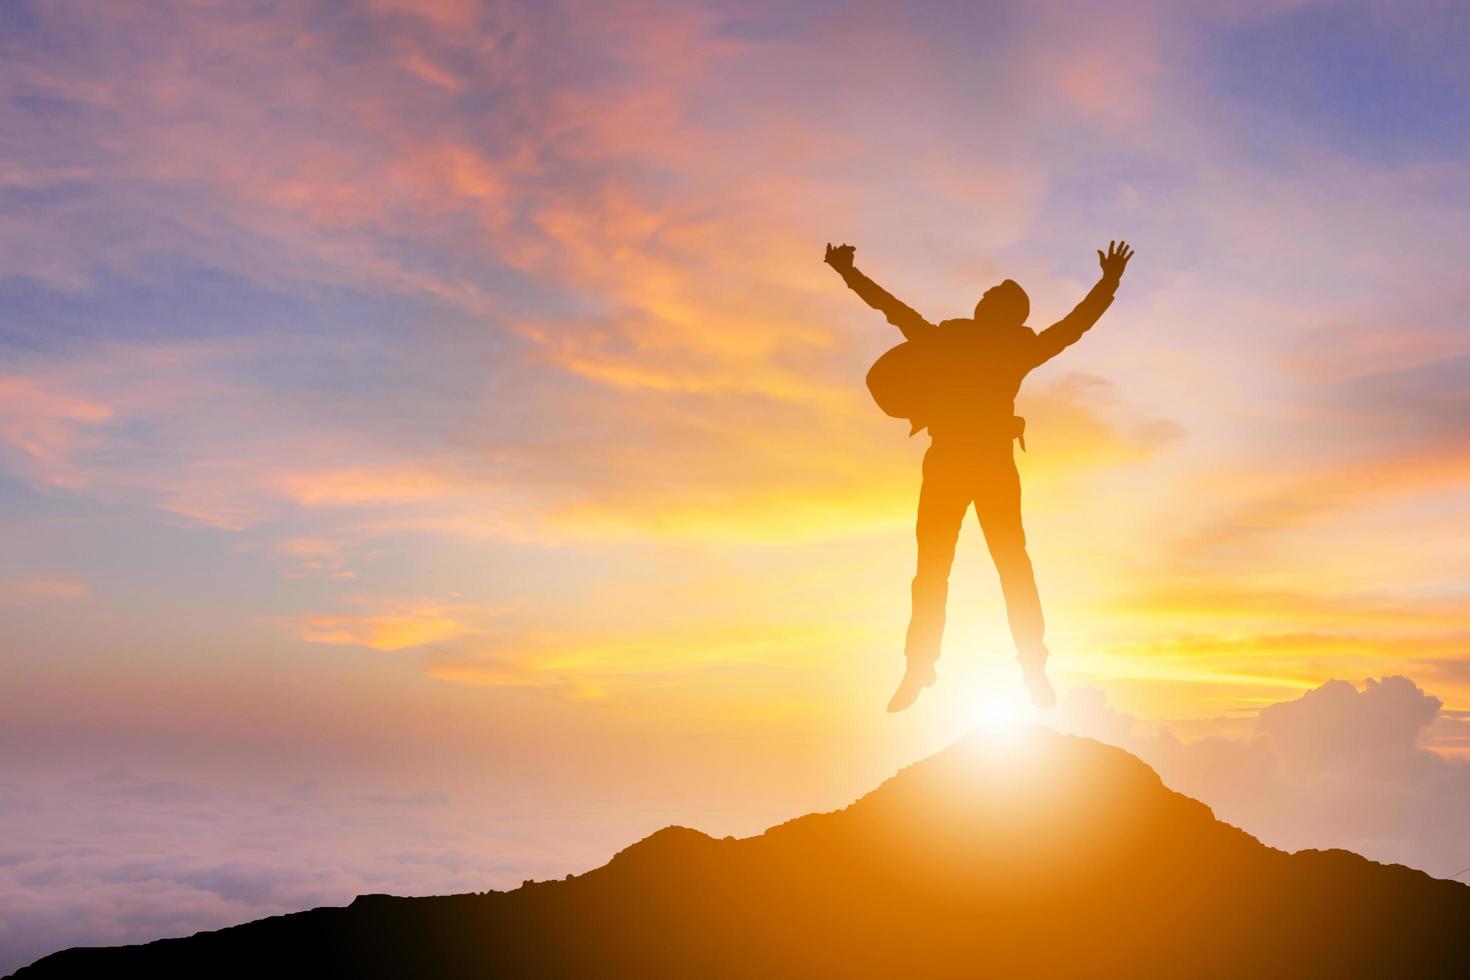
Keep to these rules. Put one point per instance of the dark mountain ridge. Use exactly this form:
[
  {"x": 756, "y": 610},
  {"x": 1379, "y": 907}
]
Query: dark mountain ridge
[{"x": 1036, "y": 854}]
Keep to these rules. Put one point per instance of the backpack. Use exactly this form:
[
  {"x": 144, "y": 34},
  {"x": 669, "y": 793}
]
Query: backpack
[{"x": 897, "y": 380}]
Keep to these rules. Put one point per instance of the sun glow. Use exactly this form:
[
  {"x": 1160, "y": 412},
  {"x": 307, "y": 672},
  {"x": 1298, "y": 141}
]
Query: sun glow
[{"x": 1002, "y": 711}]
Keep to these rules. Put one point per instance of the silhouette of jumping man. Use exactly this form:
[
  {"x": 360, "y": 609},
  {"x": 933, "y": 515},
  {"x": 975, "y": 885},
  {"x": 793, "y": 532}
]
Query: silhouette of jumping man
[{"x": 960, "y": 379}]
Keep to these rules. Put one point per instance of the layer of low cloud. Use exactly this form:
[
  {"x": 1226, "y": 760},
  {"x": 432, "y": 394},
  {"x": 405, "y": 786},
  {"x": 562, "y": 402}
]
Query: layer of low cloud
[
  {"x": 123, "y": 858},
  {"x": 120, "y": 857}
]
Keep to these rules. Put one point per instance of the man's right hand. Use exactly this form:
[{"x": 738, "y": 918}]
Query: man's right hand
[
  {"x": 840, "y": 258},
  {"x": 1115, "y": 261}
]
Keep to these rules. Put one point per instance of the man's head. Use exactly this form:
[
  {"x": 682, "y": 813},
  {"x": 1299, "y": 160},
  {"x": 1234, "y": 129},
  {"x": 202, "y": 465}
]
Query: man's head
[{"x": 1004, "y": 304}]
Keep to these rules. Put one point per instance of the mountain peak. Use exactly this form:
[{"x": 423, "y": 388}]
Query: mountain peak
[{"x": 1029, "y": 854}]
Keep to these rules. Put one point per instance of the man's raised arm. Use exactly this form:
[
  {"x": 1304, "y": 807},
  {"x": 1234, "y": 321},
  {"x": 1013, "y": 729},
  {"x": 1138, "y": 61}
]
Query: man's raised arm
[
  {"x": 1070, "y": 328},
  {"x": 901, "y": 316}
]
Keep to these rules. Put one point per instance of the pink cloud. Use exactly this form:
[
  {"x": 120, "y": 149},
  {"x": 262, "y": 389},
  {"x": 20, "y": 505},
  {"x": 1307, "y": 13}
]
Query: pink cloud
[
  {"x": 48, "y": 429},
  {"x": 41, "y": 588},
  {"x": 317, "y": 556}
]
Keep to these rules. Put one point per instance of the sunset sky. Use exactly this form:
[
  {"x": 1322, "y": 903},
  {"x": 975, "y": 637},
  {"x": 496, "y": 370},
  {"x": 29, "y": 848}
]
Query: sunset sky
[{"x": 442, "y": 410}]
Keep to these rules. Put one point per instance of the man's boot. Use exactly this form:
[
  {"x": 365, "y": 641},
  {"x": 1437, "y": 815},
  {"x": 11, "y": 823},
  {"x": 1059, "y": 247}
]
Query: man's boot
[
  {"x": 1033, "y": 672},
  {"x": 921, "y": 645},
  {"x": 918, "y": 675}
]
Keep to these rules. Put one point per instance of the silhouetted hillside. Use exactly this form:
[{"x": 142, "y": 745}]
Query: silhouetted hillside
[{"x": 1037, "y": 855}]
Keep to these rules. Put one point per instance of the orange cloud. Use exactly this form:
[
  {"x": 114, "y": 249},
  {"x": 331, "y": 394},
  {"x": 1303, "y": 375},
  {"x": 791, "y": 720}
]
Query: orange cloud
[
  {"x": 1211, "y": 599},
  {"x": 393, "y": 625},
  {"x": 679, "y": 668},
  {"x": 1308, "y": 493},
  {"x": 360, "y": 486},
  {"x": 490, "y": 671}
]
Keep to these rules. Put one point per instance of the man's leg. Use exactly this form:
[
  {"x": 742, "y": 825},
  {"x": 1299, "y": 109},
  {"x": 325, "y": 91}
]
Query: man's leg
[
  {"x": 943, "y": 500},
  {"x": 998, "y": 505}
]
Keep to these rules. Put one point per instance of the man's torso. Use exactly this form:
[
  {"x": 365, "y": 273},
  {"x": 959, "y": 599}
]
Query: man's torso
[{"x": 973, "y": 375}]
